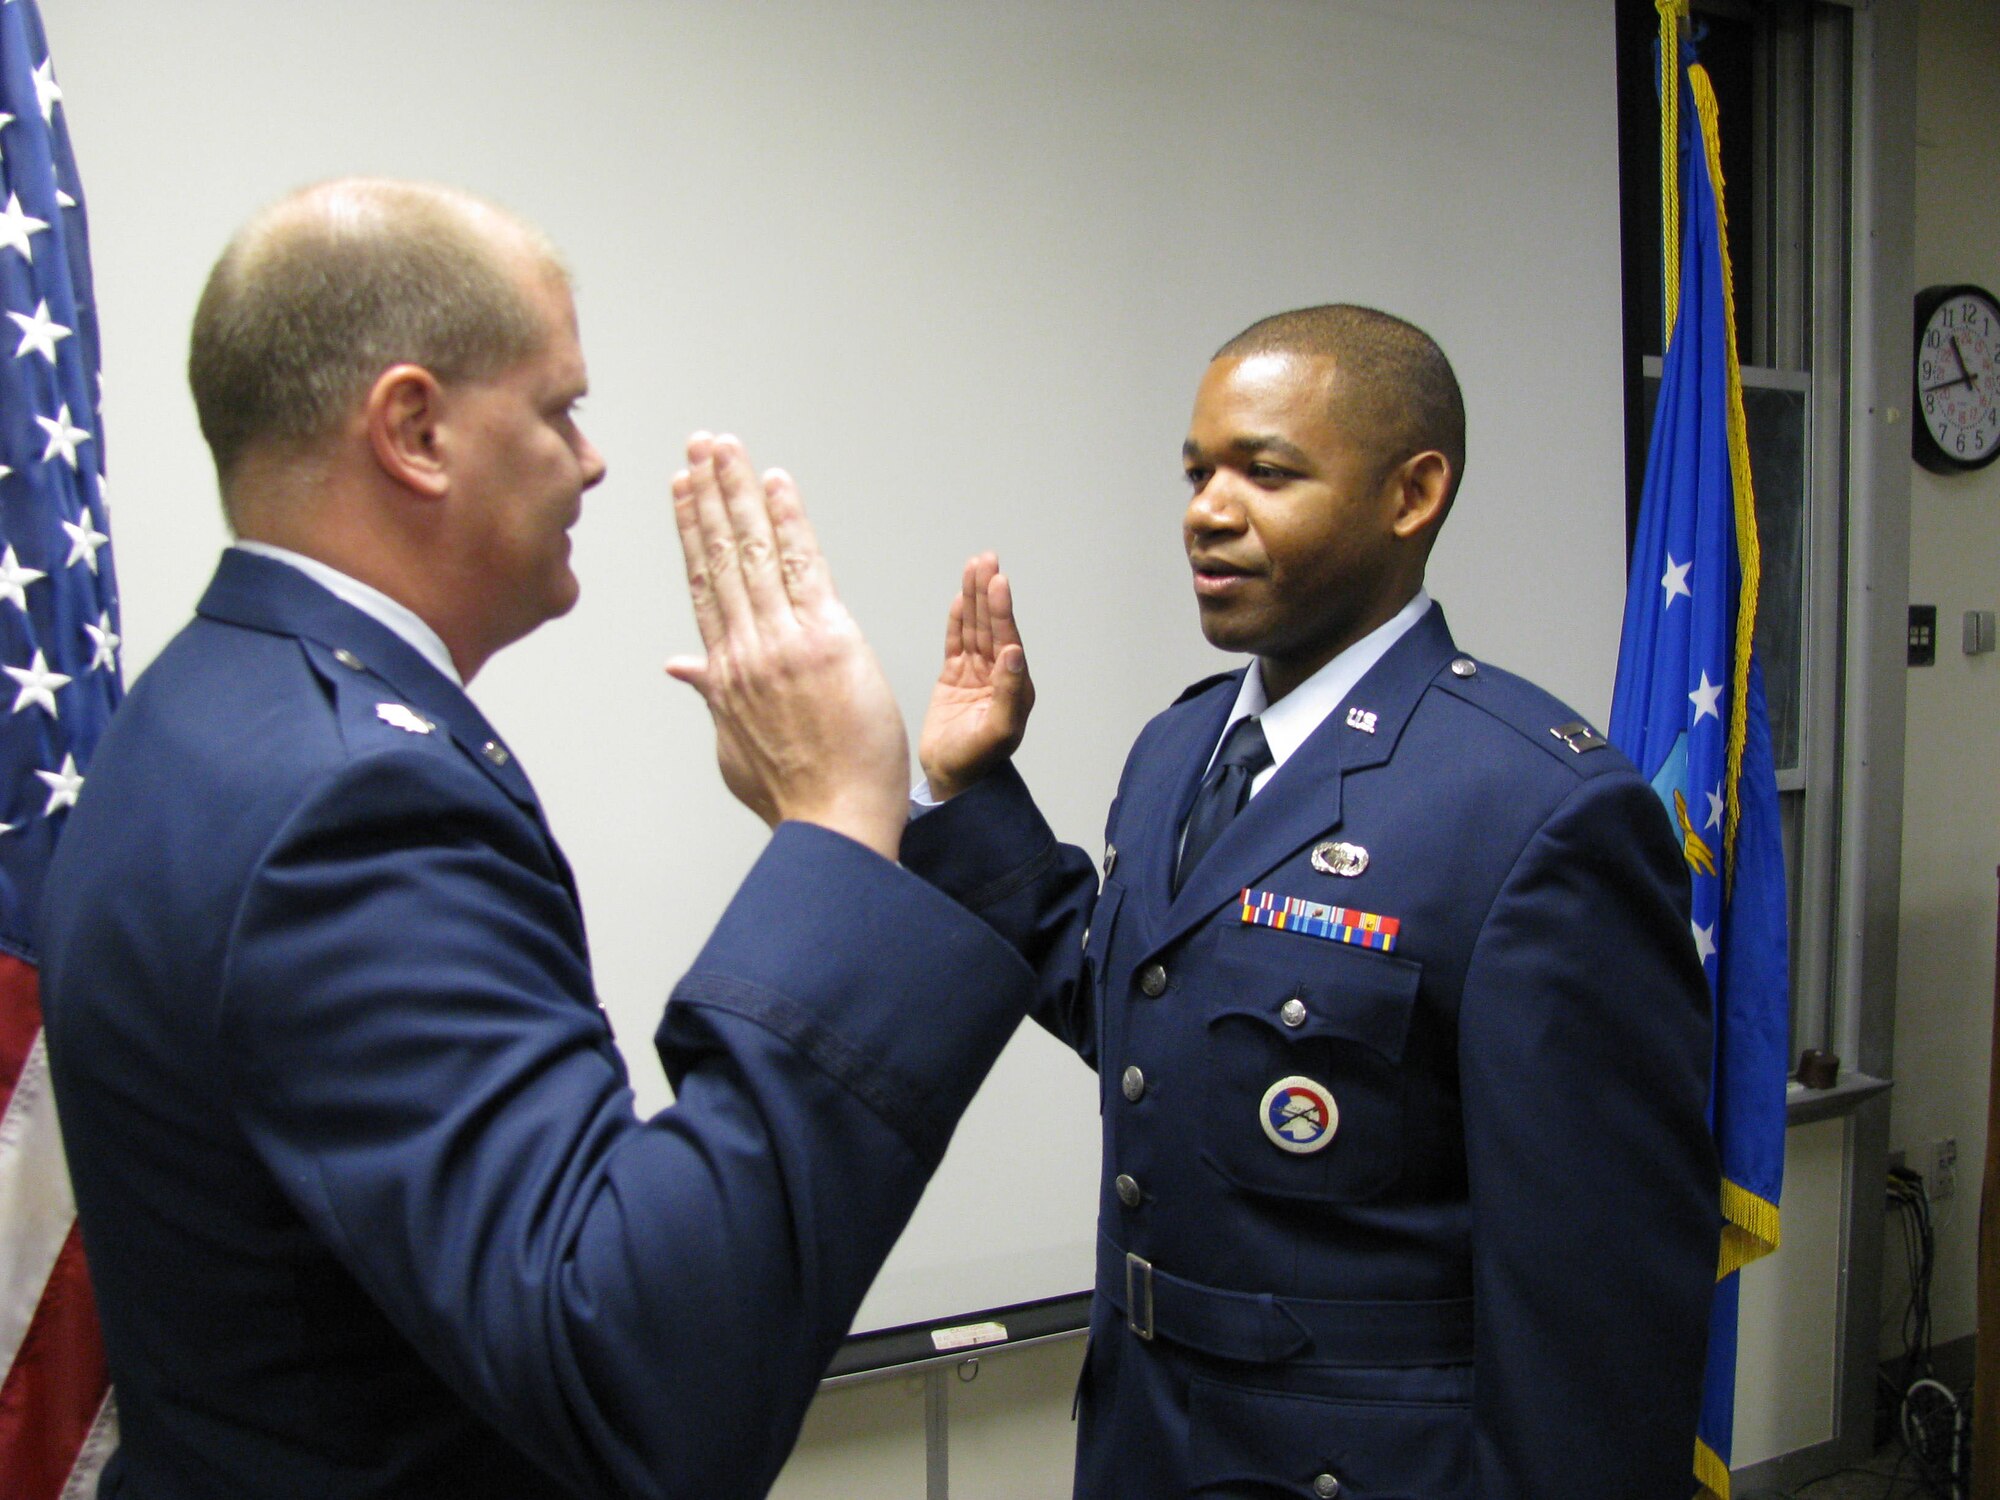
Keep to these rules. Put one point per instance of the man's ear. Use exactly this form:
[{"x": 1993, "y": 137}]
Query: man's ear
[
  {"x": 403, "y": 414},
  {"x": 1423, "y": 494}
]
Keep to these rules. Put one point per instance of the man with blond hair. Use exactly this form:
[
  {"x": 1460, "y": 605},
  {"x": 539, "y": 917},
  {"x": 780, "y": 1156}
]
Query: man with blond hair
[{"x": 366, "y": 1203}]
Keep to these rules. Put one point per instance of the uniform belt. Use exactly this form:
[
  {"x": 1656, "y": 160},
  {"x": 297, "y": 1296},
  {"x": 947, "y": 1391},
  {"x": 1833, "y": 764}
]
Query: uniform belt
[{"x": 1262, "y": 1328}]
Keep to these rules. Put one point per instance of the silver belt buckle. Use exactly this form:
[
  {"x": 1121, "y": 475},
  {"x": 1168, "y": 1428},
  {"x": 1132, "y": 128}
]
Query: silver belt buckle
[{"x": 1139, "y": 1293}]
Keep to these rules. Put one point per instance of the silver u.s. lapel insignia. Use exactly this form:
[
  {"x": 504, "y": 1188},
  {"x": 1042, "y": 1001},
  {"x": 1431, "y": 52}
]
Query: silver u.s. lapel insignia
[
  {"x": 402, "y": 716},
  {"x": 1339, "y": 859},
  {"x": 1362, "y": 719}
]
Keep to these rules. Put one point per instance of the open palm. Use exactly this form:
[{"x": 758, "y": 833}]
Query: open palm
[{"x": 980, "y": 705}]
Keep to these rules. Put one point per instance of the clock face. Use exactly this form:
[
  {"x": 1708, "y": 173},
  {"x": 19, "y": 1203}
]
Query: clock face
[{"x": 1958, "y": 379}]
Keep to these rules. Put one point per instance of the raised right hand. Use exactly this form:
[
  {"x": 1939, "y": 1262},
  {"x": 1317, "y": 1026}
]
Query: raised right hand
[
  {"x": 979, "y": 708},
  {"x": 806, "y": 726}
]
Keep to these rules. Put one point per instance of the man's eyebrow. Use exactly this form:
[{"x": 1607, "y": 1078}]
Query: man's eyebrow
[{"x": 1252, "y": 445}]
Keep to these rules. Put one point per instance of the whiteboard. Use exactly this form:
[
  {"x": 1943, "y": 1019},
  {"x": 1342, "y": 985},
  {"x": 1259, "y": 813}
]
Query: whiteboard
[{"x": 959, "y": 268}]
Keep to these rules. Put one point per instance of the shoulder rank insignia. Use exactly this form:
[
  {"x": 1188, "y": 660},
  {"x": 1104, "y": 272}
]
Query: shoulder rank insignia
[
  {"x": 1579, "y": 736},
  {"x": 1298, "y": 1115},
  {"x": 402, "y": 716},
  {"x": 1339, "y": 859}
]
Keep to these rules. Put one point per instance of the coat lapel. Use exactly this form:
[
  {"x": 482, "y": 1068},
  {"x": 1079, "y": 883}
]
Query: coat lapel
[
  {"x": 265, "y": 594},
  {"x": 1302, "y": 802},
  {"x": 1153, "y": 808}
]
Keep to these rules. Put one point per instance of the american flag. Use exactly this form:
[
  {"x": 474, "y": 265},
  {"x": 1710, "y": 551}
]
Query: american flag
[{"x": 59, "y": 652}]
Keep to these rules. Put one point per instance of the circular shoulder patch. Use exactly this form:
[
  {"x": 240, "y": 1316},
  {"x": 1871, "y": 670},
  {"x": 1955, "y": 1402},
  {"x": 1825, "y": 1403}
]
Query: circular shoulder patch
[{"x": 1299, "y": 1115}]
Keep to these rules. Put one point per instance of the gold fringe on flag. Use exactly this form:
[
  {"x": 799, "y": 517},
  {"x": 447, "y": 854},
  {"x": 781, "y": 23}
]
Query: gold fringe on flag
[
  {"x": 1748, "y": 555},
  {"x": 1710, "y": 1472}
]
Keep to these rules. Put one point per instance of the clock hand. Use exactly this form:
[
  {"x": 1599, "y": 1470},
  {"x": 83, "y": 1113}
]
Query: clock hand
[
  {"x": 1962, "y": 378},
  {"x": 1965, "y": 370}
]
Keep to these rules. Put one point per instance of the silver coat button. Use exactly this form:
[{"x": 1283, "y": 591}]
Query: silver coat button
[
  {"x": 1153, "y": 981},
  {"x": 1326, "y": 1487},
  {"x": 1465, "y": 666},
  {"x": 1293, "y": 1012},
  {"x": 1128, "y": 1190},
  {"x": 1134, "y": 1084}
]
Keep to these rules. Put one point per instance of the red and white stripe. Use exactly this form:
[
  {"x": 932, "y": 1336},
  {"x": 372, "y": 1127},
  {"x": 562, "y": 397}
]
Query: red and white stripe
[{"x": 58, "y": 1423}]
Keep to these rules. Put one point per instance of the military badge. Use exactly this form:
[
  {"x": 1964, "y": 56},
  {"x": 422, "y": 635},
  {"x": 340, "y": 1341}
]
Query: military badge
[
  {"x": 1299, "y": 1115},
  {"x": 1340, "y": 859},
  {"x": 402, "y": 716},
  {"x": 1361, "y": 719},
  {"x": 1339, "y": 924}
]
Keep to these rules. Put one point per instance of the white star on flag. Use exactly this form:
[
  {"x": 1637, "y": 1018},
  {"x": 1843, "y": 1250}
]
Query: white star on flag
[
  {"x": 63, "y": 200},
  {"x": 1676, "y": 581},
  {"x": 63, "y": 786},
  {"x": 63, "y": 438},
  {"x": 47, "y": 92},
  {"x": 1714, "y": 805},
  {"x": 40, "y": 333},
  {"x": 16, "y": 225},
  {"x": 38, "y": 685},
  {"x": 1704, "y": 937},
  {"x": 105, "y": 642},
  {"x": 14, "y": 580},
  {"x": 1707, "y": 699},
  {"x": 84, "y": 540}
]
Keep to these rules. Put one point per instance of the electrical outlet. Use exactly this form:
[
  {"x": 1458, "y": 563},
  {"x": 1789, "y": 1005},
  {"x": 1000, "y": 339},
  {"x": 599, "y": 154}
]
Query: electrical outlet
[{"x": 1944, "y": 1169}]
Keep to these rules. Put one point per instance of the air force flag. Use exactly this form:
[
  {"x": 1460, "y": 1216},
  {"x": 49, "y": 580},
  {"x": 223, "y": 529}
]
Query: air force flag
[{"x": 1688, "y": 709}]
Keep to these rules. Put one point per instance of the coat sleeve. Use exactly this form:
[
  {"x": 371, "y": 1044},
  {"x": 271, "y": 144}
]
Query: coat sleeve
[
  {"x": 990, "y": 849},
  {"x": 1584, "y": 1051},
  {"x": 642, "y": 1307}
]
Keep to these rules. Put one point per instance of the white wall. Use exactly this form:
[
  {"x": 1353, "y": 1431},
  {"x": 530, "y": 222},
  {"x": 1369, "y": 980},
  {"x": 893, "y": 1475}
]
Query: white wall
[{"x": 1951, "y": 792}]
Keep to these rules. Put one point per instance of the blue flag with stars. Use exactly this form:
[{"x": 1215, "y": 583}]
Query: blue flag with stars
[
  {"x": 58, "y": 594},
  {"x": 1688, "y": 709},
  {"x": 59, "y": 656}
]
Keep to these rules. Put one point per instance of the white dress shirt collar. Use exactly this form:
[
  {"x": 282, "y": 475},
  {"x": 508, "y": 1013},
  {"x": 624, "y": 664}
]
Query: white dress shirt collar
[
  {"x": 1290, "y": 721},
  {"x": 372, "y": 602}
]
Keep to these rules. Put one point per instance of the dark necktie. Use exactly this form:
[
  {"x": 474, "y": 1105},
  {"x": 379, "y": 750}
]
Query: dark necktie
[{"x": 1222, "y": 795}]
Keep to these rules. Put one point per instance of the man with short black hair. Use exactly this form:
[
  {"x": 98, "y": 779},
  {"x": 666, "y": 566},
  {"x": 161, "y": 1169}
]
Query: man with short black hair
[
  {"x": 1402, "y": 1036},
  {"x": 366, "y": 1205}
]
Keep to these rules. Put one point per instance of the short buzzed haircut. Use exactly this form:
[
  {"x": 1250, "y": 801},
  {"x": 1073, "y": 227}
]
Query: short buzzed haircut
[
  {"x": 1392, "y": 382},
  {"x": 327, "y": 288}
]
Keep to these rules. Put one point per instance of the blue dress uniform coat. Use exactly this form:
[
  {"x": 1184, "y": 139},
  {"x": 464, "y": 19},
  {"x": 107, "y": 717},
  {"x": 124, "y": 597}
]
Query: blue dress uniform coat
[
  {"x": 367, "y": 1208},
  {"x": 1479, "y": 1266}
]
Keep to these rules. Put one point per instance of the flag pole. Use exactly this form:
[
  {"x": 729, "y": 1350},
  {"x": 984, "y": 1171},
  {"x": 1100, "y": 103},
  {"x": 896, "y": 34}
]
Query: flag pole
[{"x": 1673, "y": 33}]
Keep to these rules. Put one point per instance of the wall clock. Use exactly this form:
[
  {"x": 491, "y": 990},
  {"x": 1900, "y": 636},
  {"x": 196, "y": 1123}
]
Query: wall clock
[{"x": 1957, "y": 398}]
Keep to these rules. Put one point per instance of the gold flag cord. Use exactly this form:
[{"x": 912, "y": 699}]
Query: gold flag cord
[{"x": 1673, "y": 15}]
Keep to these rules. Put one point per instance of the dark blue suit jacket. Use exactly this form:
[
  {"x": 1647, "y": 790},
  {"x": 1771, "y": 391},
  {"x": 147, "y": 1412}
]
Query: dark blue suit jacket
[
  {"x": 1491, "y": 1281},
  {"x": 366, "y": 1204}
]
